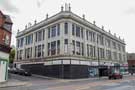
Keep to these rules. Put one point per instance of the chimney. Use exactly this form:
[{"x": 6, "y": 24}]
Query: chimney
[
  {"x": 94, "y": 22},
  {"x": 102, "y": 27},
  {"x": 119, "y": 37},
  {"x": 69, "y": 7},
  {"x": 61, "y": 8},
  {"x": 83, "y": 16},
  {"x": 109, "y": 31},
  {"x": 18, "y": 31},
  {"x": 25, "y": 26},
  {"x": 35, "y": 22},
  {"x": 47, "y": 16}
]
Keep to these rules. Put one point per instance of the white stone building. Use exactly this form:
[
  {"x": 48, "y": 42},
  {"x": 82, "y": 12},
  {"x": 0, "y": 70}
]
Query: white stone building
[{"x": 68, "y": 46}]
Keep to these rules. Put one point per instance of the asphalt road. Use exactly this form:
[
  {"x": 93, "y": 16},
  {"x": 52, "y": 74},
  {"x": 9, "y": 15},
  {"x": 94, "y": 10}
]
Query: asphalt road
[{"x": 43, "y": 83}]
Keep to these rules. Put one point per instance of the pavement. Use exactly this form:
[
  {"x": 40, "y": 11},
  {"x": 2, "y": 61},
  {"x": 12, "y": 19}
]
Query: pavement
[
  {"x": 36, "y": 82},
  {"x": 12, "y": 83}
]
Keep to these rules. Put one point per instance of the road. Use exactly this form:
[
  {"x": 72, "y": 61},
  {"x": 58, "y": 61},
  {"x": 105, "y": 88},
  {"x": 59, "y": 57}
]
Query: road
[{"x": 42, "y": 83}]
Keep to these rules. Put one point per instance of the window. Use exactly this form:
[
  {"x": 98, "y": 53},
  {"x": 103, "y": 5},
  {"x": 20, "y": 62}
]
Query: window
[
  {"x": 35, "y": 51},
  {"x": 31, "y": 52},
  {"x": 115, "y": 55},
  {"x": 91, "y": 50},
  {"x": 18, "y": 42},
  {"x": 120, "y": 57},
  {"x": 87, "y": 34},
  {"x": 108, "y": 43},
  {"x": 81, "y": 32},
  {"x": 94, "y": 37},
  {"x": 25, "y": 53},
  {"x": 97, "y": 39},
  {"x": 49, "y": 49},
  {"x": 49, "y": 32},
  {"x": 77, "y": 31},
  {"x": 36, "y": 36},
  {"x": 123, "y": 48},
  {"x": 102, "y": 53},
  {"x": 73, "y": 29},
  {"x": 119, "y": 47},
  {"x": 43, "y": 50},
  {"x": 53, "y": 48},
  {"x": 114, "y": 45},
  {"x": 28, "y": 53},
  {"x": 66, "y": 28},
  {"x": 78, "y": 48},
  {"x": 82, "y": 48},
  {"x": 94, "y": 52},
  {"x": 73, "y": 48},
  {"x": 88, "y": 50},
  {"x": 124, "y": 59},
  {"x": 20, "y": 54},
  {"x": 39, "y": 35},
  {"x": 29, "y": 39},
  {"x": 43, "y": 34},
  {"x": 66, "y": 45},
  {"x": 39, "y": 51},
  {"x": 26, "y": 40},
  {"x": 22, "y": 42},
  {"x": 66, "y": 41},
  {"x": 90, "y": 36},
  {"x": 58, "y": 29},
  {"x": 53, "y": 31},
  {"x": 101, "y": 40},
  {"x": 108, "y": 54},
  {"x": 58, "y": 46}
]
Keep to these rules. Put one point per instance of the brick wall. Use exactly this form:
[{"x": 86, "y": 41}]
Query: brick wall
[{"x": 3, "y": 32}]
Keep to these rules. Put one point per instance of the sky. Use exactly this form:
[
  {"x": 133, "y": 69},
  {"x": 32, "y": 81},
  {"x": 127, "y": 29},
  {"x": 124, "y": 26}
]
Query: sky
[{"x": 118, "y": 16}]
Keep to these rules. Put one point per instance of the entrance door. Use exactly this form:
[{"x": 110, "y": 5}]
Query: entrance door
[{"x": 103, "y": 71}]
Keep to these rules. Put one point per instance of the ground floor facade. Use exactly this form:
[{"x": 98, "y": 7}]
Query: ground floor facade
[
  {"x": 131, "y": 64},
  {"x": 3, "y": 66},
  {"x": 69, "y": 67}
]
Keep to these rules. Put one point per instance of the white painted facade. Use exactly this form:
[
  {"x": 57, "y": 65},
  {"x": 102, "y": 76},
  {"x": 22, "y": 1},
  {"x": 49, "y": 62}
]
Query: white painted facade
[
  {"x": 91, "y": 46},
  {"x": 3, "y": 66}
]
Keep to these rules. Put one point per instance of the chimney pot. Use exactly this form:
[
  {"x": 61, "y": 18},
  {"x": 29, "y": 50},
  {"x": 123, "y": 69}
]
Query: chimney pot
[{"x": 62, "y": 8}]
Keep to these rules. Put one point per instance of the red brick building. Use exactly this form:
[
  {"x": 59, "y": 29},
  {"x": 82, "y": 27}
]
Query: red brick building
[
  {"x": 131, "y": 62},
  {"x": 5, "y": 32},
  {"x": 5, "y": 40}
]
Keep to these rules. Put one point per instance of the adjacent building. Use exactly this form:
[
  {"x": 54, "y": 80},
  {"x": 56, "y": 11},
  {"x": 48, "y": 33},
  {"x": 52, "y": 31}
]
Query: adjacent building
[
  {"x": 68, "y": 46},
  {"x": 131, "y": 62},
  {"x": 5, "y": 39}
]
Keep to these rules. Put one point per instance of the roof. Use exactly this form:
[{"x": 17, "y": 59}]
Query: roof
[
  {"x": 8, "y": 19},
  {"x": 1, "y": 13}
]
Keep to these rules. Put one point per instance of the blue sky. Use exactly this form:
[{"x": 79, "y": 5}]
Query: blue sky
[{"x": 118, "y": 16}]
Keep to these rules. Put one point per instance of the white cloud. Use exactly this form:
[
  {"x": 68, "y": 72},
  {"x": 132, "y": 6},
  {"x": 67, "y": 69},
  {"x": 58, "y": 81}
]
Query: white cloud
[{"x": 8, "y": 6}]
